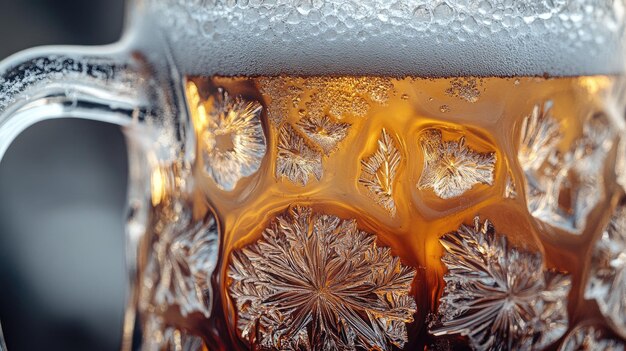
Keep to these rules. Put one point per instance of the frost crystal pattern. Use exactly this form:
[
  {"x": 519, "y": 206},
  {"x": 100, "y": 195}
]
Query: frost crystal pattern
[
  {"x": 297, "y": 160},
  {"x": 501, "y": 298},
  {"x": 233, "y": 143},
  {"x": 179, "y": 273},
  {"x": 324, "y": 132},
  {"x": 607, "y": 279},
  {"x": 540, "y": 135},
  {"x": 159, "y": 337},
  {"x": 451, "y": 168},
  {"x": 379, "y": 172},
  {"x": 588, "y": 338},
  {"x": 562, "y": 188},
  {"x": 317, "y": 282}
]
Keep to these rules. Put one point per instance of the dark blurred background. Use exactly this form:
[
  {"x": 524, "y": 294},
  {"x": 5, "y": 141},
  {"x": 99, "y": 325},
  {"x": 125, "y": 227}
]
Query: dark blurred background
[{"x": 62, "y": 195}]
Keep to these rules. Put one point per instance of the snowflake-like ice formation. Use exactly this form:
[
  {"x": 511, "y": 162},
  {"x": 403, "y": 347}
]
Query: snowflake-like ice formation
[
  {"x": 379, "y": 172},
  {"x": 231, "y": 135},
  {"x": 317, "y": 282},
  {"x": 159, "y": 337},
  {"x": 562, "y": 188},
  {"x": 539, "y": 137},
  {"x": 451, "y": 168},
  {"x": 589, "y": 338},
  {"x": 501, "y": 298},
  {"x": 324, "y": 131},
  {"x": 179, "y": 271},
  {"x": 297, "y": 159},
  {"x": 607, "y": 279}
]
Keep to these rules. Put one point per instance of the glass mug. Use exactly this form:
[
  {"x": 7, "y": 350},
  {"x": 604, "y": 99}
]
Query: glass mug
[{"x": 359, "y": 175}]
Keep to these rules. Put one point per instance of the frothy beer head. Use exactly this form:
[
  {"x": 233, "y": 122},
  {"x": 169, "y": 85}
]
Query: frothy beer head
[{"x": 394, "y": 37}]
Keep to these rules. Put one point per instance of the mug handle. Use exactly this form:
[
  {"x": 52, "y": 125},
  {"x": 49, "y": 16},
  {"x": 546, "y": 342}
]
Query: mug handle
[{"x": 106, "y": 84}]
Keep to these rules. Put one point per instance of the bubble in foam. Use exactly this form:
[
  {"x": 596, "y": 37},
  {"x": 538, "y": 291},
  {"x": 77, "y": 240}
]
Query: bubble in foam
[
  {"x": 423, "y": 14},
  {"x": 381, "y": 37},
  {"x": 443, "y": 13}
]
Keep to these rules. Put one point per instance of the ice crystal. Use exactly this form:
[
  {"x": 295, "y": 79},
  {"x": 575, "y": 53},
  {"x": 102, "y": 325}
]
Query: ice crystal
[
  {"x": 179, "y": 272},
  {"x": 159, "y": 337},
  {"x": 324, "y": 132},
  {"x": 297, "y": 160},
  {"x": 231, "y": 135},
  {"x": 607, "y": 279},
  {"x": 451, "y": 168},
  {"x": 539, "y": 136},
  {"x": 379, "y": 172},
  {"x": 589, "y": 338},
  {"x": 501, "y": 298},
  {"x": 317, "y": 282},
  {"x": 562, "y": 188}
]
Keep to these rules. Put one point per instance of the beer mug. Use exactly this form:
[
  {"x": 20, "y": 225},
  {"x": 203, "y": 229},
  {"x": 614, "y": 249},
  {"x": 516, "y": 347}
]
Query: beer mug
[{"x": 359, "y": 175}]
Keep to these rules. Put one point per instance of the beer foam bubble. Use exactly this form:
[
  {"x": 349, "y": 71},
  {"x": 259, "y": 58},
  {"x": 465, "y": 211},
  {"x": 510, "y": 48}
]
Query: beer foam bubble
[{"x": 396, "y": 38}]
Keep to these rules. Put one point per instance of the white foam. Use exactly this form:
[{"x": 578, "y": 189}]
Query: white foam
[{"x": 386, "y": 37}]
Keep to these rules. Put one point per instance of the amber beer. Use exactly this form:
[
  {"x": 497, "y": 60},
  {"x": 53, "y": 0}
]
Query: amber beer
[{"x": 383, "y": 213}]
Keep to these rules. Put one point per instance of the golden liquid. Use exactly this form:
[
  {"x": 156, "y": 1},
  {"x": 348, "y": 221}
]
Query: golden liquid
[{"x": 486, "y": 112}]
